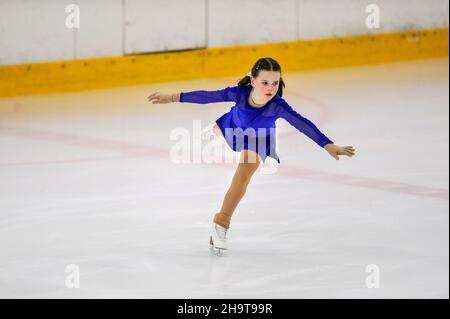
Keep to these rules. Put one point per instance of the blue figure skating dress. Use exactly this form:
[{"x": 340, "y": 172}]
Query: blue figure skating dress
[{"x": 253, "y": 128}]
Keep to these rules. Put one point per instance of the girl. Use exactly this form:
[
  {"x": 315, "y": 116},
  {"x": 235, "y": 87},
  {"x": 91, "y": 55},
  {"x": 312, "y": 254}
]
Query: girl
[{"x": 258, "y": 104}]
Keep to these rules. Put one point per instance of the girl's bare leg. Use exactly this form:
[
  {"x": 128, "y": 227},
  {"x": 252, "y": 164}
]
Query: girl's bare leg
[
  {"x": 249, "y": 163},
  {"x": 217, "y": 131}
]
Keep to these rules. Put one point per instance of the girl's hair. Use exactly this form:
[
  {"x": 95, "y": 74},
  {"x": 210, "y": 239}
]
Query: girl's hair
[{"x": 266, "y": 64}]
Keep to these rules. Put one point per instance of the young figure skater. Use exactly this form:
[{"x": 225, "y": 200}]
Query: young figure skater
[{"x": 258, "y": 104}]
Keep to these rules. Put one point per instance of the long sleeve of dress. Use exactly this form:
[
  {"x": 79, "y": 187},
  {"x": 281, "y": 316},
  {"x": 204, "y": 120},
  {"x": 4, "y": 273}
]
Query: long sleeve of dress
[
  {"x": 303, "y": 125},
  {"x": 204, "y": 97}
]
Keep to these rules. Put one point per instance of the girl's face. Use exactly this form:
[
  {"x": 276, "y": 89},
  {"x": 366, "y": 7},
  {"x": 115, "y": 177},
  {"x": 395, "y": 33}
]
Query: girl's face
[{"x": 266, "y": 84}]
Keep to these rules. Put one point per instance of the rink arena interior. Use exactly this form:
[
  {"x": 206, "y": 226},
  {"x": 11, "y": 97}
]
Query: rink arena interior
[{"x": 87, "y": 183}]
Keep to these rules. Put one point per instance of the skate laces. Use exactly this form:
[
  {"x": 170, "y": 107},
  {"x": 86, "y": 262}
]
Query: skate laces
[{"x": 221, "y": 231}]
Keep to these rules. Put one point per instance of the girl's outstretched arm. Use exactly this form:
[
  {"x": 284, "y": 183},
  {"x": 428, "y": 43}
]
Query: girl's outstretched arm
[
  {"x": 303, "y": 124},
  {"x": 200, "y": 97},
  {"x": 309, "y": 129},
  {"x": 160, "y": 98}
]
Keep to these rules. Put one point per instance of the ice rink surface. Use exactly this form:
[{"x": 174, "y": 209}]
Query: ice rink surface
[{"x": 87, "y": 179}]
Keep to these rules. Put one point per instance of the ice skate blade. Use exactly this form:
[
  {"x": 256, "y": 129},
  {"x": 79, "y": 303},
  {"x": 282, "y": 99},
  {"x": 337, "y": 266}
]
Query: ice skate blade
[{"x": 216, "y": 251}]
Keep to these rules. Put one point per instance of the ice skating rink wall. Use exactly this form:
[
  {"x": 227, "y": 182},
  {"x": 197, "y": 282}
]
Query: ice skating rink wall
[{"x": 131, "y": 42}]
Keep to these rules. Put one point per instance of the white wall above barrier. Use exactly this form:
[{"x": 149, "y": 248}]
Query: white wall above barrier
[
  {"x": 101, "y": 28},
  {"x": 237, "y": 22},
  {"x": 326, "y": 19},
  {"x": 32, "y": 31},
  {"x": 164, "y": 25},
  {"x": 36, "y": 31}
]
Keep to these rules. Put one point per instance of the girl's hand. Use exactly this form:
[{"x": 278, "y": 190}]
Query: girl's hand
[
  {"x": 335, "y": 150},
  {"x": 159, "y": 98}
]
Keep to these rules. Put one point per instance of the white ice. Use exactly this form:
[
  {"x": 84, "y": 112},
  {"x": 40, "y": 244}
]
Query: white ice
[{"x": 86, "y": 179}]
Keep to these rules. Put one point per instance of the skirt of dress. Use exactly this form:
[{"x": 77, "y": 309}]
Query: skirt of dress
[{"x": 265, "y": 146}]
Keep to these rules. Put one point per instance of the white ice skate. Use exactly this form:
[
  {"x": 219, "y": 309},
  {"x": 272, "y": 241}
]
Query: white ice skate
[{"x": 218, "y": 239}]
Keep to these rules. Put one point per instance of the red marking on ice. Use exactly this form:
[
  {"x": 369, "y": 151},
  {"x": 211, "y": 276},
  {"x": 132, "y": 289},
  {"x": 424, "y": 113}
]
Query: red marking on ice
[
  {"x": 133, "y": 150},
  {"x": 366, "y": 182},
  {"x": 325, "y": 113}
]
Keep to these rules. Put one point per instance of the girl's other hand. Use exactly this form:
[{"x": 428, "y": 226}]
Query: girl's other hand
[{"x": 335, "y": 150}]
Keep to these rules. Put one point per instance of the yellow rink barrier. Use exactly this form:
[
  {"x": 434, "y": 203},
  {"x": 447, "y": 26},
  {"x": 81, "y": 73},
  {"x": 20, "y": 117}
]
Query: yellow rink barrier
[{"x": 93, "y": 73}]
